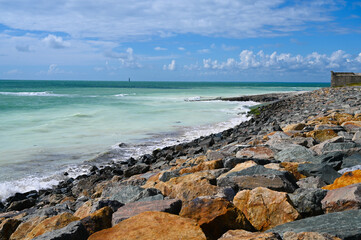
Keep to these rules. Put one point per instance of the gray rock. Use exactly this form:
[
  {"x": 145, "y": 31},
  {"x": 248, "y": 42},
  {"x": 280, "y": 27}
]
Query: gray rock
[
  {"x": 357, "y": 137},
  {"x": 311, "y": 182},
  {"x": 136, "y": 169},
  {"x": 280, "y": 144},
  {"x": 325, "y": 172},
  {"x": 344, "y": 198},
  {"x": 167, "y": 175},
  {"x": 339, "y": 147},
  {"x": 49, "y": 211},
  {"x": 73, "y": 231},
  {"x": 151, "y": 198},
  {"x": 333, "y": 159},
  {"x": 295, "y": 154},
  {"x": 353, "y": 160},
  {"x": 113, "y": 204},
  {"x": 259, "y": 176},
  {"x": 307, "y": 201},
  {"x": 347, "y": 136},
  {"x": 231, "y": 162},
  {"x": 306, "y": 142},
  {"x": 345, "y": 225},
  {"x": 215, "y": 155},
  {"x": 126, "y": 194},
  {"x": 350, "y": 169}
]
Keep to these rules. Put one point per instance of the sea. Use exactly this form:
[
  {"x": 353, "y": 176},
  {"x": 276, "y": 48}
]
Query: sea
[{"x": 48, "y": 128}]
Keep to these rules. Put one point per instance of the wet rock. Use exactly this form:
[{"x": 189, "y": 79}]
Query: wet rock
[
  {"x": 131, "y": 209},
  {"x": 307, "y": 201},
  {"x": 73, "y": 231},
  {"x": 7, "y": 227},
  {"x": 152, "y": 225},
  {"x": 265, "y": 208},
  {"x": 325, "y": 172},
  {"x": 294, "y": 154},
  {"x": 136, "y": 169},
  {"x": 256, "y": 152},
  {"x": 346, "y": 179},
  {"x": 245, "y": 235},
  {"x": 215, "y": 216},
  {"x": 340, "y": 224},
  {"x": 259, "y": 176},
  {"x": 344, "y": 198}
]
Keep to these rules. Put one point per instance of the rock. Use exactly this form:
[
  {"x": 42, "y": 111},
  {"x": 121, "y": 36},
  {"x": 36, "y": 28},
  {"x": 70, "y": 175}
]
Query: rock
[
  {"x": 25, "y": 227},
  {"x": 333, "y": 159},
  {"x": 7, "y": 227},
  {"x": 259, "y": 176},
  {"x": 99, "y": 220},
  {"x": 136, "y": 169},
  {"x": 353, "y": 160},
  {"x": 167, "y": 175},
  {"x": 346, "y": 179},
  {"x": 292, "y": 167},
  {"x": 125, "y": 194},
  {"x": 340, "y": 147},
  {"x": 215, "y": 216},
  {"x": 231, "y": 162},
  {"x": 294, "y": 154},
  {"x": 322, "y": 135},
  {"x": 84, "y": 210},
  {"x": 307, "y": 201},
  {"x": 214, "y": 164},
  {"x": 239, "y": 167},
  {"x": 22, "y": 204},
  {"x": 294, "y": 127},
  {"x": 280, "y": 144},
  {"x": 352, "y": 126},
  {"x": 325, "y": 172},
  {"x": 340, "y": 224},
  {"x": 344, "y": 198},
  {"x": 308, "y": 236},
  {"x": 333, "y": 127},
  {"x": 351, "y": 169},
  {"x": 265, "y": 208},
  {"x": 357, "y": 137},
  {"x": 131, "y": 209},
  {"x": 256, "y": 152},
  {"x": 311, "y": 182},
  {"x": 152, "y": 226},
  {"x": 113, "y": 204},
  {"x": 73, "y": 231},
  {"x": 51, "y": 224},
  {"x": 319, "y": 147},
  {"x": 215, "y": 155},
  {"x": 245, "y": 235}
]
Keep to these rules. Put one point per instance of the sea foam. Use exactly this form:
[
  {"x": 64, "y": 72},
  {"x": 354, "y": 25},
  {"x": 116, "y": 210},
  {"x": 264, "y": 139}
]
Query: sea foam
[{"x": 34, "y": 94}]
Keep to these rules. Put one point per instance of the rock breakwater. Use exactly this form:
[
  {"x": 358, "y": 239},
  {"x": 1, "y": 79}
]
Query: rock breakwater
[{"x": 293, "y": 171}]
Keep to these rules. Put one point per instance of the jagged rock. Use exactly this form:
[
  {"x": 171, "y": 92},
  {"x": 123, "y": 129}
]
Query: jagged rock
[
  {"x": 239, "y": 167},
  {"x": 311, "y": 182},
  {"x": 7, "y": 227},
  {"x": 113, "y": 204},
  {"x": 346, "y": 179},
  {"x": 84, "y": 210},
  {"x": 357, "y": 137},
  {"x": 292, "y": 167},
  {"x": 325, "y": 172},
  {"x": 307, "y": 201},
  {"x": 319, "y": 148},
  {"x": 322, "y": 135},
  {"x": 259, "y": 176},
  {"x": 22, "y": 204},
  {"x": 340, "y": 147},
  {"x": 210, "y": 165},
  {"x": 344, "y": 198},
  {"x": 294, "y": 154},
  {"x": 129, "y": 193},
  {"x": 73, "y": 231},
  {"x": 308, "y": 236},
  {"x": 99, "y": 220},
  {"x": 280, "y": 144},
  {"x": 136, "y": 169},
  {"x": 339, "y": 224},
  {"x": 333, "y": 159},
  {"x": 294, "y": 127},
  {"x": 215, "y": 216},
  {"x": 256, "y": 152},
  {"x": 25, "y": 227},
  {"x": 265, "y": 208},
  {"x": 152, "y": 225},
  {"x": 167, "y": 175},
  {"x": 131, "y": 209},
  {"x": 245, "y": 235},
  {"x": 215, "y": 155},
  {"x": 353, "y": 160},
  {"x": 333, "y": 127},
  {"x": 352, "y": 126}
]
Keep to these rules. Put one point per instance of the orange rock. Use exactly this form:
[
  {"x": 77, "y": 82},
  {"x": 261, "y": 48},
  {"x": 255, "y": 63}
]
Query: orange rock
[
  {"x": 256, "y": 152},
  {"x": 84, "y": 210},
  {"x": 7, "y": 227},
  {"x": 71, "y": 199},
  {"x": 215, "y": 216},
  {"x": 25, "y": 227},
  {"x": 352, "y": 126},
  {"x": 51, "y": 224},
  {"x": 98, "y": 220},
  {"x": 239, "y": 167},
  {"x": 294, "y": 127},
  {"x": 245, "y": 235},
  {"x": 341, "y": 117},
  {"x": 292, "y": 168},
  {"x": 322, "y": 120},
  {"x": 152, "y": 226},
  {"x": 308, "y": 236},
  {"x": 210, "y": 165},
  {"x": 322, "y": 135},
  {"x": 265, "y": 208},
  {"x": 346, "y": 179}
]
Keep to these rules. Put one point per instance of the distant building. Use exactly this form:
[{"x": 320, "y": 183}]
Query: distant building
[{"x": 341, "y": 79}]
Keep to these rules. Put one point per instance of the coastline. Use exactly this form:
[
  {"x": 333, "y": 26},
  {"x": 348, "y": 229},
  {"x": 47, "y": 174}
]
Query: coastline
[{"x": 101, "y": 183}]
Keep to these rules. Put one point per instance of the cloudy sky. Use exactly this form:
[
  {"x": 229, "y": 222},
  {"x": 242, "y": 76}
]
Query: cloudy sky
[{"x": 179, "y": 40}]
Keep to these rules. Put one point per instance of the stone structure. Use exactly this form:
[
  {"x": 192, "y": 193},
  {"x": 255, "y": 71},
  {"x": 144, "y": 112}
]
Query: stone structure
[{"x": 340, "y": 79}]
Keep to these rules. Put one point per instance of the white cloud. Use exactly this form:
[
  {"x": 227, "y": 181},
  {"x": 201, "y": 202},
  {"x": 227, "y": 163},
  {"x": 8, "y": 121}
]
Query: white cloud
[
  {"x": 170, "y": 67},
  {"x": 23, "y": 48},
  {"x": 286, "y": 61},
  {"x": 55, "y": 42},
  {"x": 229, "y": 48},
  {"x": 160, "y": 49},
  {"x": 203, "y": 50},
  {"x": 127, "y": 59},
  {"x": 181, "y": 49},
  {"x": 53, "y": 69}
]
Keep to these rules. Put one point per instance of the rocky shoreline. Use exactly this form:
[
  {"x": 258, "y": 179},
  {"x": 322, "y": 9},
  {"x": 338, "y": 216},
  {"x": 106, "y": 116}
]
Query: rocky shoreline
[{"x": 291, "y": 172}]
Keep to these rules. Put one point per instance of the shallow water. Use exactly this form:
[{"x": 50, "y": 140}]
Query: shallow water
[{"x": 48, "y": 127}]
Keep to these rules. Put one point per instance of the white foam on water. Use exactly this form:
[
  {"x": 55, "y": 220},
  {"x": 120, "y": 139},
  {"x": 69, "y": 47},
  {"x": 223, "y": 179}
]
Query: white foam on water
[{"x": 34, "y": 94}]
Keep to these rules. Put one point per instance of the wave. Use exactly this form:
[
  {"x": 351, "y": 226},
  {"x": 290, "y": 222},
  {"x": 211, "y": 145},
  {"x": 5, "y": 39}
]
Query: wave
[
  {"x": 34, "y": 94},
  {"x": 124, "y": 94},
  {"x": 190, "y": 99}
]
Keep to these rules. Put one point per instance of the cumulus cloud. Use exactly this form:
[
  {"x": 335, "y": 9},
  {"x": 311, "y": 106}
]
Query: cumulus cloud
[
  {"x": 127, "y": 59},
  {"x": 55, "y": 42},
  {"x": 160, "y": 49},
  {"x": 170, "y": 67},
  {"x": 286, "y": 61}
]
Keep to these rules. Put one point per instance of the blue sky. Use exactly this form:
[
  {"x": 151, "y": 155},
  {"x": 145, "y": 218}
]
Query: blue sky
[{"x": 160, "y": 40}]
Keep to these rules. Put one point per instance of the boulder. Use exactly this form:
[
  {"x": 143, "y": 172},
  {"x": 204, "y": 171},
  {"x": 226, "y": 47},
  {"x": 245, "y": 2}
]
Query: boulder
[
  {"x": 346, "y": 179},
  {"x": 256, "y": 152},
  {"x": 294, "y": 127},
  {"x": 325, "y": 172},
  {"x": 7, "y": 227},
  {"x": 152, "y": 226},
  {"x": 311, "y": 182},
  {"x": 357, "y": 137},
  {"x": 280, "y": 144},
  {"x": 131, "y": 209},
  {"x": 350, "y": 169},
  {"x": 339, "y": 224},
  {"x": 333, "y": 127},
  {"x": 292, "y": 167},
  {"x": 319, "y": 147},
  {"x": 99, "y": 220},
  {"x": 231, "y": 162},
  {"x": 259, "y": 176},
  {"x": 239, "y": 167},
  {"x": 210, "y": 165},
  {"x": 22, "y": 204},
  {"x": 265, "y": 208},
  {"x": 130, "y": 193},
  {"x": 215, "y": 155},
  {"x": 136, "y": 169},
  {"x": 215, "y": 216},
  {"x": 113, "y": 204},
  {"x": 344, "y": 198},
  {"x": 245, "y": 235},
  {"x": 353, "y": 160},
  {"x": 333, "y": 159},
  {"x": 340, "y": 147},
  {"x": 322, "y": 135},
  {"x": 308, "y": 236},
  {"x": 307, "y": 201},
  {"x": 84, "y": 210},
  {"x": 352, "y": 126},
  {"x": 25, "y": 227},
  {"x": 73, "y": 231},
  {"x": 294, "y": 154}
]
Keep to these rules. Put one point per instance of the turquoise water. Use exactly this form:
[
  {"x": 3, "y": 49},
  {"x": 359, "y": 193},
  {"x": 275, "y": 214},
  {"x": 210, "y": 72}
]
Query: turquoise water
[{"x": 49, "y": 127}]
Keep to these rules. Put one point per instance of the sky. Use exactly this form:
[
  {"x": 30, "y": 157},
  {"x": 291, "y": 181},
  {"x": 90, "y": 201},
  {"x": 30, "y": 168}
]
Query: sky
[{"x": 179, "y": 40}]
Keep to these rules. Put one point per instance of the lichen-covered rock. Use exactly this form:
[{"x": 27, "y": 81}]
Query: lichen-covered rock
[
  {"x": 25, "y": 227},
  {"x": 265, "y": 208},
  {"x": 292, "y": 167},
  {"x": 215, "y": 216},
  {"x": 210, "y": 165},
  {"x": 152, "y": 226},
  {"x": 294, "y": 127},
  {"x": 346, "y": 179},
  {"x": 245, "y": 235},
  {"x": 344, "y": 198},
  {"x": 256, "y": 152},
  {"x": 7, "y": 227},
  {"x": 322, "y": 135}
]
